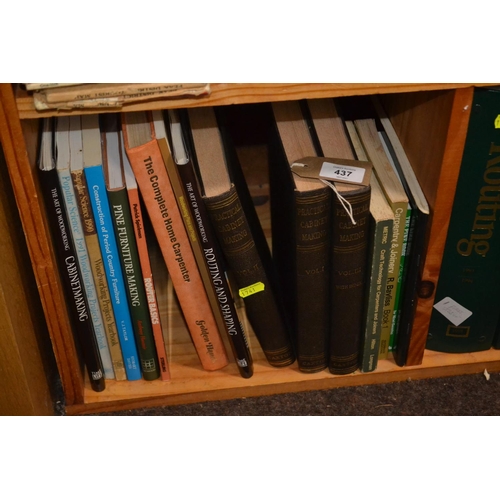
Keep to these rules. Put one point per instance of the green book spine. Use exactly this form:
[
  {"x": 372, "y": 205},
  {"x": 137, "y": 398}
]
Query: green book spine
[
  {"x": 129, "y": 257},
  {"x": 378, "y": 267},
  {"x": 403, "y": 265},
  {"x": 466, "y": 306}
]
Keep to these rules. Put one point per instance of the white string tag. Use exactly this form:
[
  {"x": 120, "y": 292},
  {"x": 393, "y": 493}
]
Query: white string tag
[{"x": 345, "y": 203}]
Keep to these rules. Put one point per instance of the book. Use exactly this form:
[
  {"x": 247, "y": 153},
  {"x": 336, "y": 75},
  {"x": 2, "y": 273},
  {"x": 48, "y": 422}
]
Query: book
[
  {"x": 466, "y": 313},
  {"x": 349, "y": 242},
  {"x": 399, "y": 203},
  {"x": 417, "y": 234},
  {"x": 205, "y": 246},
  {"x": 145, "y": 156},
  {"x": 239, "y": 233},
  {"x": 127, "y": 246},
  {"x": 301, "y": 235},
  {"x": 381, "y": 225},
  {"x": 94, "y": 176},
  {"x": 146, "y": 271},
  {"x": 112, "y": 95},
  {"x": 67, "y": 261},
  {"x": 68, "y": 143},
  {"x": 96, "y": 261}
]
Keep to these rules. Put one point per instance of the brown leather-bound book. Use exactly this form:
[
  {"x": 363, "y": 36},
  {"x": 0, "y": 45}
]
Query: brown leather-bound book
[
  {"x": 349, "y": 246},
  {"x": 148, "y": 165},
  {"x": 240, "y": 235},
  {"x": 321, "y": 255},
  {"x": 300, "y": 222}
]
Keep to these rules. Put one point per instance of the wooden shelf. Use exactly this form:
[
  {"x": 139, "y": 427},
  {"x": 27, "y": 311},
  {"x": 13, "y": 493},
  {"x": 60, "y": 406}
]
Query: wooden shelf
[
  {"x": 243, "y": 93},
  {"x": 191, "y": 384},
  {"x": 431, "y": 120}
]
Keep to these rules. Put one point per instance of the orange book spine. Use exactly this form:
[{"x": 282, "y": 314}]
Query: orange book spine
[{"x": 149, "y": 169}]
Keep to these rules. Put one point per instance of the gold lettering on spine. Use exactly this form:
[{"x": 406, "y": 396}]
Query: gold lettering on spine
[{"x": 486, "y": 210}]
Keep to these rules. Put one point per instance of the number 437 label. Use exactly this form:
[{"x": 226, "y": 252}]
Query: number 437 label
[
  {"x": 333, "y": 169},
  {"x": 336, "y": 172}
]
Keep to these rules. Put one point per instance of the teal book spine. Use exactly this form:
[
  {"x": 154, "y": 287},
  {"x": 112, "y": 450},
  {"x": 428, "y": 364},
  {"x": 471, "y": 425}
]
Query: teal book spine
[
  {"x": 109, "y": 249},
  {"x": 73, "y": 214},
  {"x": 136, "y": 293},
  {"x": 467, "y": 301}
]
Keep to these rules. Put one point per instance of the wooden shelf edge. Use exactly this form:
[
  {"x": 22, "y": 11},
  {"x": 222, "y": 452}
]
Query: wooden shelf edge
[
  {"x": 435, "y": 365},
  {"x": 244, "y": 93}
]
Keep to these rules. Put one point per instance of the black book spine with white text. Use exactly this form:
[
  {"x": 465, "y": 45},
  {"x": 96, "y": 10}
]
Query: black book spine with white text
[{"x": 68, "y": 265}]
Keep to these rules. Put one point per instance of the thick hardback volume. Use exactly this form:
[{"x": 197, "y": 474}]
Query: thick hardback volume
[
  {"x": 349, "y": 245},
  {"x": 204, "y": 244},
  {"x": 398, "y": 200},
  {"x": 68, "y": 141},
  {"x": 379, "y": 246},
  {"x": 97, "y": 263},
  {"x": 301, "y": 233},
  {"x": 416, "y": 236},
  {"x": 127, "y": 247},
  {"x": 240, "y": 234},
  {"x": 154, "y": 184},
  {"x": 147, "y": 273},
  {"x": 466, "y": 306},
  {"x": 67, "y": 259},
  {"x": 94, "y": 176}
]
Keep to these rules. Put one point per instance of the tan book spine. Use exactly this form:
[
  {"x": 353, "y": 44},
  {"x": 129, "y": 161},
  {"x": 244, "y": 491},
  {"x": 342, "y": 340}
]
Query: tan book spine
[{"x": 149, "y": 169}]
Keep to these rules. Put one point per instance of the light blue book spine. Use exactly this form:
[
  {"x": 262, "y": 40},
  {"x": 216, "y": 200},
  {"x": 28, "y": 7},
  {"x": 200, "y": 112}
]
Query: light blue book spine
[
  {"x": 84, "y": 262},
  {"x": 107, "y": 241}
]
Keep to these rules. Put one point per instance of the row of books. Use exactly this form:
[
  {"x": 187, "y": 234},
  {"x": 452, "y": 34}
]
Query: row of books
[
  {"x": 90, "y": 210},
  {"x": 92, "y": 170},
  {"x": 348, "y": 224}
]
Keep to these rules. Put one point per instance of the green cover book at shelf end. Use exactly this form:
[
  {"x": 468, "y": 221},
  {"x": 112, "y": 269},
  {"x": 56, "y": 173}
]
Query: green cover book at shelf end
[{"x": 466, "y": 306}]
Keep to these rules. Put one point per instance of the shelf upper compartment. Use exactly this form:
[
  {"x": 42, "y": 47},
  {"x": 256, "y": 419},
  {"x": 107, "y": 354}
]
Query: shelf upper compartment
[{"x": 241, "y": 93}]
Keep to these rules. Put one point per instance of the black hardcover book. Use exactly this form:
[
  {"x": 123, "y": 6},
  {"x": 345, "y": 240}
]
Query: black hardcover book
[
  {"x": 239, "y": 232},
  {"x": 301, "y": 235},
  {"x": 67, "y": 259}
]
